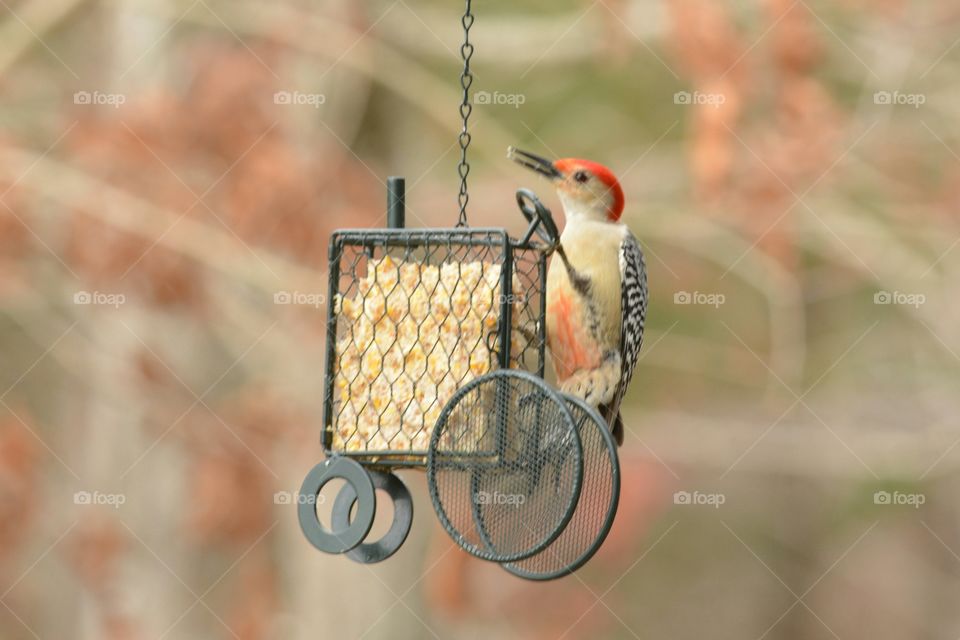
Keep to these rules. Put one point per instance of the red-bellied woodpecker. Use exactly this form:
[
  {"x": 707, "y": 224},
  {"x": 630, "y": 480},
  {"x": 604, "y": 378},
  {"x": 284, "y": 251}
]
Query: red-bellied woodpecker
[{"x": 597, "y": 290}]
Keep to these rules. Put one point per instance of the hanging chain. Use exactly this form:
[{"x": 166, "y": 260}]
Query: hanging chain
[{"x": 466, "y": 108}]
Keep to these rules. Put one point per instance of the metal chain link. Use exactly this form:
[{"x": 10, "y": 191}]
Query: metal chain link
[{"x": 466, "y": 108}]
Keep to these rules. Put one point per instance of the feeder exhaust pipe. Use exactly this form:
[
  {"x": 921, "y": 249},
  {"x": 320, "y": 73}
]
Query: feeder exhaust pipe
[{"x": 396, "y": 195}]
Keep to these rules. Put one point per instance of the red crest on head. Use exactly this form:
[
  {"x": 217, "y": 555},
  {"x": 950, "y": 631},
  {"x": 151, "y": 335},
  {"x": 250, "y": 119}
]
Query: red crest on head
[{"x": 603, "y": 174}]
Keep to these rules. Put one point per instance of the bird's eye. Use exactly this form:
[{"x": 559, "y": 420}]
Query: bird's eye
[{"x": 581, "y": 176}]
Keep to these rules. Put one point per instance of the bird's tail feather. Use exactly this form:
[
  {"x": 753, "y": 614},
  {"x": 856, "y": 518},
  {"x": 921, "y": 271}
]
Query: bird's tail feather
[
  {"x": 614, "y": 421},
  {"x": 618, "y": 429}
]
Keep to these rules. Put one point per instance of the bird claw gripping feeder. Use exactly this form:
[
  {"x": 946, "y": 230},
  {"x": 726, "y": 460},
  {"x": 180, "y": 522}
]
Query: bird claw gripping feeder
[{"x": 435, "y": 355}]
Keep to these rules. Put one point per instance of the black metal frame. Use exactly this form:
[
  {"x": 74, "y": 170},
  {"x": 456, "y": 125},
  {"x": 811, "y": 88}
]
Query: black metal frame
[{"x": 370, "y": 241}]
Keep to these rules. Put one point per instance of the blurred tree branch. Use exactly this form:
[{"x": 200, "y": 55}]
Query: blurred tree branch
[
  {"x": 387, "y": 65},
  {"x": 42, "y": 17},
  {"x": 203, "y": 242}
]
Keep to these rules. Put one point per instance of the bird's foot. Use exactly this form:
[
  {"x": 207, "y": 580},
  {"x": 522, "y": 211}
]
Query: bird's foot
[{"x": 594, "y": 386}]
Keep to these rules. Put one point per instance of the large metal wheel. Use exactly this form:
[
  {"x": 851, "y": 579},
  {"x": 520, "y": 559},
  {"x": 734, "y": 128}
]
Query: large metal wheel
[
  {"x": 505, "y": 466},
  {"x": 596, "y": 509}
]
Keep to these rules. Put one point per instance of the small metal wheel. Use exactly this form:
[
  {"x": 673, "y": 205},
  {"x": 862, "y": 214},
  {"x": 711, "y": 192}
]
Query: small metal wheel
[
  {"x": 370, "y": 552},
  {"x": 595, "y": 510},
  {"x": 341, "y": 540},
  {"x": 505, "y": 466}
]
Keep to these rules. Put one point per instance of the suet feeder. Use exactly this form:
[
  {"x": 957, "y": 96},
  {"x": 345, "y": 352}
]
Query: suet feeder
[{"x": 435, "y": 357}]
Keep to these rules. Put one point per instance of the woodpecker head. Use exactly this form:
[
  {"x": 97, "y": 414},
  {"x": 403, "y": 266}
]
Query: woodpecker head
[{"x": 586, "y": 189}]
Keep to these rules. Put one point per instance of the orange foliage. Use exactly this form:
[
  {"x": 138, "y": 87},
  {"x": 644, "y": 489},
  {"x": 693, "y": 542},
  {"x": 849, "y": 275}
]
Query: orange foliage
[
  {"x": 217, "y": 153},
  {"x": 755, "y": 168},
  {"x": 230, "y": 497},
  {"x": 20, "y": 458}
]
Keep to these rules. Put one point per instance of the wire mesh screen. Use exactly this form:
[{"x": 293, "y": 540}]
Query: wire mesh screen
[
  {"x": 415, "y": 315},
  {"x": 505, "y": 466},
  {"x": 596, "y": 507}
]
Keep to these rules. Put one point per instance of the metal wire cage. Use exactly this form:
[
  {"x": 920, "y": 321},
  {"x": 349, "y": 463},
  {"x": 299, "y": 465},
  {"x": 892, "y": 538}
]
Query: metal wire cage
[{"x": 413, "y": 316}]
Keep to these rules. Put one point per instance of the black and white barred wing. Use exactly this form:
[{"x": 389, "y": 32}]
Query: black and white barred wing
[
  {"x": 633, "y": 301},
  {"x": 633, "y": 307}
]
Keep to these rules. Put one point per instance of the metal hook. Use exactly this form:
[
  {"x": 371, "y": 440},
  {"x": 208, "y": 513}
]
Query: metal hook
[{"x": 540, "y": 219}]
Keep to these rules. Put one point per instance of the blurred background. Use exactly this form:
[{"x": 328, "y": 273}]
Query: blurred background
[{"x": 170, "y": 172}]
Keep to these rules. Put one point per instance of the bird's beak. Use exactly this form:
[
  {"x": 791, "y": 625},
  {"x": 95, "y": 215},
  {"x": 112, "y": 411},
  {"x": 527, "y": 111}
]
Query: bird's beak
[{"x": 541, "y": 165}]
